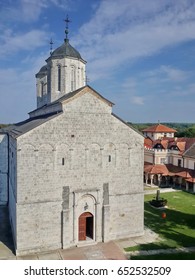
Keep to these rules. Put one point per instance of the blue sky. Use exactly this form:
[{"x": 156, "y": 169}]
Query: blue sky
[{"x": 140, "y": 54}]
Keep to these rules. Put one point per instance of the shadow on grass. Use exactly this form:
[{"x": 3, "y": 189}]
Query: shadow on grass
[
  {"x": 176, "y": 230},
  {"x": 177, "y": 256}
]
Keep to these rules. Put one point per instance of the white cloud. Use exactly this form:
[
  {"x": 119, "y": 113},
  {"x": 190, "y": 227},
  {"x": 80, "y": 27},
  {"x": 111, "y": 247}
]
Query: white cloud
[
  {"x": 11, "y": 43},
  {"x": 173, "y": 74},
  {"x": 137, "y": 100},
  {"x": 18, "y": 89},
  {"x": 165, "y": 74},
  {"x": 29, "y": 10},
  {"x": 118, "y": 34}
]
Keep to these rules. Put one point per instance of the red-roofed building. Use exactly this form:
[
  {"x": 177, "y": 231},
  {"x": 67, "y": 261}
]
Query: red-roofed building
[
  {"x": 158, "y": 131},
  {"x": 168, "y": 161}
]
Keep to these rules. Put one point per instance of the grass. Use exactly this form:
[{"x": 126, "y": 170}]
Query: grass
[
  {"x": 178, "y": 256},
  {"x": 178, "y": 229}
]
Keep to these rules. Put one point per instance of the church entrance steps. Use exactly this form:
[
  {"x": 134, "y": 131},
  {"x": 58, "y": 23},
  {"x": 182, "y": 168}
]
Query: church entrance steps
[{"x": 87, "y": 242}]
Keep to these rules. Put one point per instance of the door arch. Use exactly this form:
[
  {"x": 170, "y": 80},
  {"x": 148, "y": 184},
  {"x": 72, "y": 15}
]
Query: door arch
[{"x": 86, "y": 222}]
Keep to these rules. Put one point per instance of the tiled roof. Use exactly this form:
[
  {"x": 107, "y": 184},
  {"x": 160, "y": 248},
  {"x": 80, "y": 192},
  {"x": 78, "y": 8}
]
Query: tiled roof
[
  {"x": 148, "y": 143},
  {"x": 190, "y": 152},
  {"x": 25, "y": 126},
  {"x": 155, "y": 169},
  {"x": 169, "y": 170},
  {"x": 183, "y": 144},
  {"x": 159, "y": 128}
]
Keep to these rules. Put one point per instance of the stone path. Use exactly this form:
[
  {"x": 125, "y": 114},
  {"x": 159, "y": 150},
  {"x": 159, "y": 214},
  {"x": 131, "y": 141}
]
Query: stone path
[{"x": 162, "y": 190}]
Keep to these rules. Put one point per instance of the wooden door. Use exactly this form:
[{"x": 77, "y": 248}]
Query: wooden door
[{"x": 83, "y": 225}]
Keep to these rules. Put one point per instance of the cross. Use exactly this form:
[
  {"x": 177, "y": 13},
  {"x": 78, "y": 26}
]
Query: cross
[
  {"x": 86, "y": 80},
  {"x": 67, "y": 22},
  {"x": 51, "y": 43}
]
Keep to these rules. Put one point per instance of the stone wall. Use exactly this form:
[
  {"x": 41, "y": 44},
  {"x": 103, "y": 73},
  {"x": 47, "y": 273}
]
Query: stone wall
[
  {"x": 3, "y": 169},
  {"x": 84, "y": 149}
]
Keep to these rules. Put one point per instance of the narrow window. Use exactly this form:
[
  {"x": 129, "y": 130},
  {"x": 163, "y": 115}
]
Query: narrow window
[
  {"x": 179, "y": 162},
  {"x": 63, "y": 161},
  {"x": 109, "y": 158},
  {"x": 59, "y": 78},
  {"x": 42, "y": 88},
  {"x": 73, "y": 78}
]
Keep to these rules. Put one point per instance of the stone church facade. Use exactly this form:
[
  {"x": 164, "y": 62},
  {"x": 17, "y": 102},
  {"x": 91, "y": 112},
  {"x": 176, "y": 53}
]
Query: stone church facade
[{"x": 72, "y": 173}]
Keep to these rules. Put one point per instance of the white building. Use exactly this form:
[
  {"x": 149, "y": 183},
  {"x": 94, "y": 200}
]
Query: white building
[
  {"x": 71, "y": 173},
  {"x": 168, "y": 160}
]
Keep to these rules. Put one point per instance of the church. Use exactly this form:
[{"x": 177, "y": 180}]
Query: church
[{"x": 72, "y": 173}]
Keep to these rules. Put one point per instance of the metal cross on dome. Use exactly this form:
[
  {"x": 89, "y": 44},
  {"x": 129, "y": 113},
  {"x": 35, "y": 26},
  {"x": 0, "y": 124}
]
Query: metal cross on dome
[
  {"x": 67, "y": 22},
  {"x": 51, "y": 48}
]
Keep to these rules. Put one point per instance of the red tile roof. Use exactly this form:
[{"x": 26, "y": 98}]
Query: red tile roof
[
  {"x": 148, "y": 143},
  {"x": 183, "y": 143},
  {"x": 155, "y": 168},
  {"x": 159, "y": 128},
  {"x": 170, "y": 170}
]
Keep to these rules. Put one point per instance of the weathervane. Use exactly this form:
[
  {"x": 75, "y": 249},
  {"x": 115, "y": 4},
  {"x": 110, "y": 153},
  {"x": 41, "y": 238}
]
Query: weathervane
[
  {"x": 67, "y": 22},
  {"x": 51, "y": 43}
]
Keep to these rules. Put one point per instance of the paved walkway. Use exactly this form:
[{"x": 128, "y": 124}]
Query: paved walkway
[{"x": 162, "y": 190}]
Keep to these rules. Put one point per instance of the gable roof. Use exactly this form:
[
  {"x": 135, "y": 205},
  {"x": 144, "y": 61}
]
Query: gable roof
[
  {"x": 27, "y": 125},
  {"x": 22, "y": 127},
  {"x": 159, "y": 128},
  {"x": 74, "y": 94},
  {"x": 81, "y": 91},
  {"x": 190, "y": 152}
]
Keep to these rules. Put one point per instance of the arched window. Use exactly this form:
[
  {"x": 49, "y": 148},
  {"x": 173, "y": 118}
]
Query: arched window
[
  {"x": 73, "y": 80},
  {"x": 82, "y": 76},
  {"x": 59, "y": 78},
  {"x": 42, "y": 88}
]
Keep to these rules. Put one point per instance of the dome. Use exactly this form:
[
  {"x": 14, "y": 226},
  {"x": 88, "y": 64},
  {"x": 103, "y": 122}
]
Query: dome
[
  {"x": 42, "y": 71},
  {"x": 66, "y": 50}
]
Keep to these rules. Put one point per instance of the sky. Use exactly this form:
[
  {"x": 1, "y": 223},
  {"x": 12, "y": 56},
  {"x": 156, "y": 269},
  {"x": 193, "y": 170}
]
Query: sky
[{"x": 140, "y": 54}]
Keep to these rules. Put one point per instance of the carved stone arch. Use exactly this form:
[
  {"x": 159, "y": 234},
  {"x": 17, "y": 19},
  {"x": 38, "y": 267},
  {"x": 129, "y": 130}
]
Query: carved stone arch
[
  {"x": 88, "y": 196},
  {"x": 47, "y": 145},
  {"x": 26, "y": 146}
]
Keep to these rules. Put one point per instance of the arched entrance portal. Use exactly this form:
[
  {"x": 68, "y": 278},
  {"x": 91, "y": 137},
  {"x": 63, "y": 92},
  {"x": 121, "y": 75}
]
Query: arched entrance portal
[{"x": 85, "y": 226}]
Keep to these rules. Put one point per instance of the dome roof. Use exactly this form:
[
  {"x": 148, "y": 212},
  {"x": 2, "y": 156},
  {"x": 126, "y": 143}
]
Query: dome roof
[
  {"x": 65, "y": 50},
  {"x": 42, "y": 71}
]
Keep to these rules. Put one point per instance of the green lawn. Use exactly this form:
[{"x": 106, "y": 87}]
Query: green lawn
[
  {"x": 178, "y": 229},
  {"x": 178, "y": 256}
]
